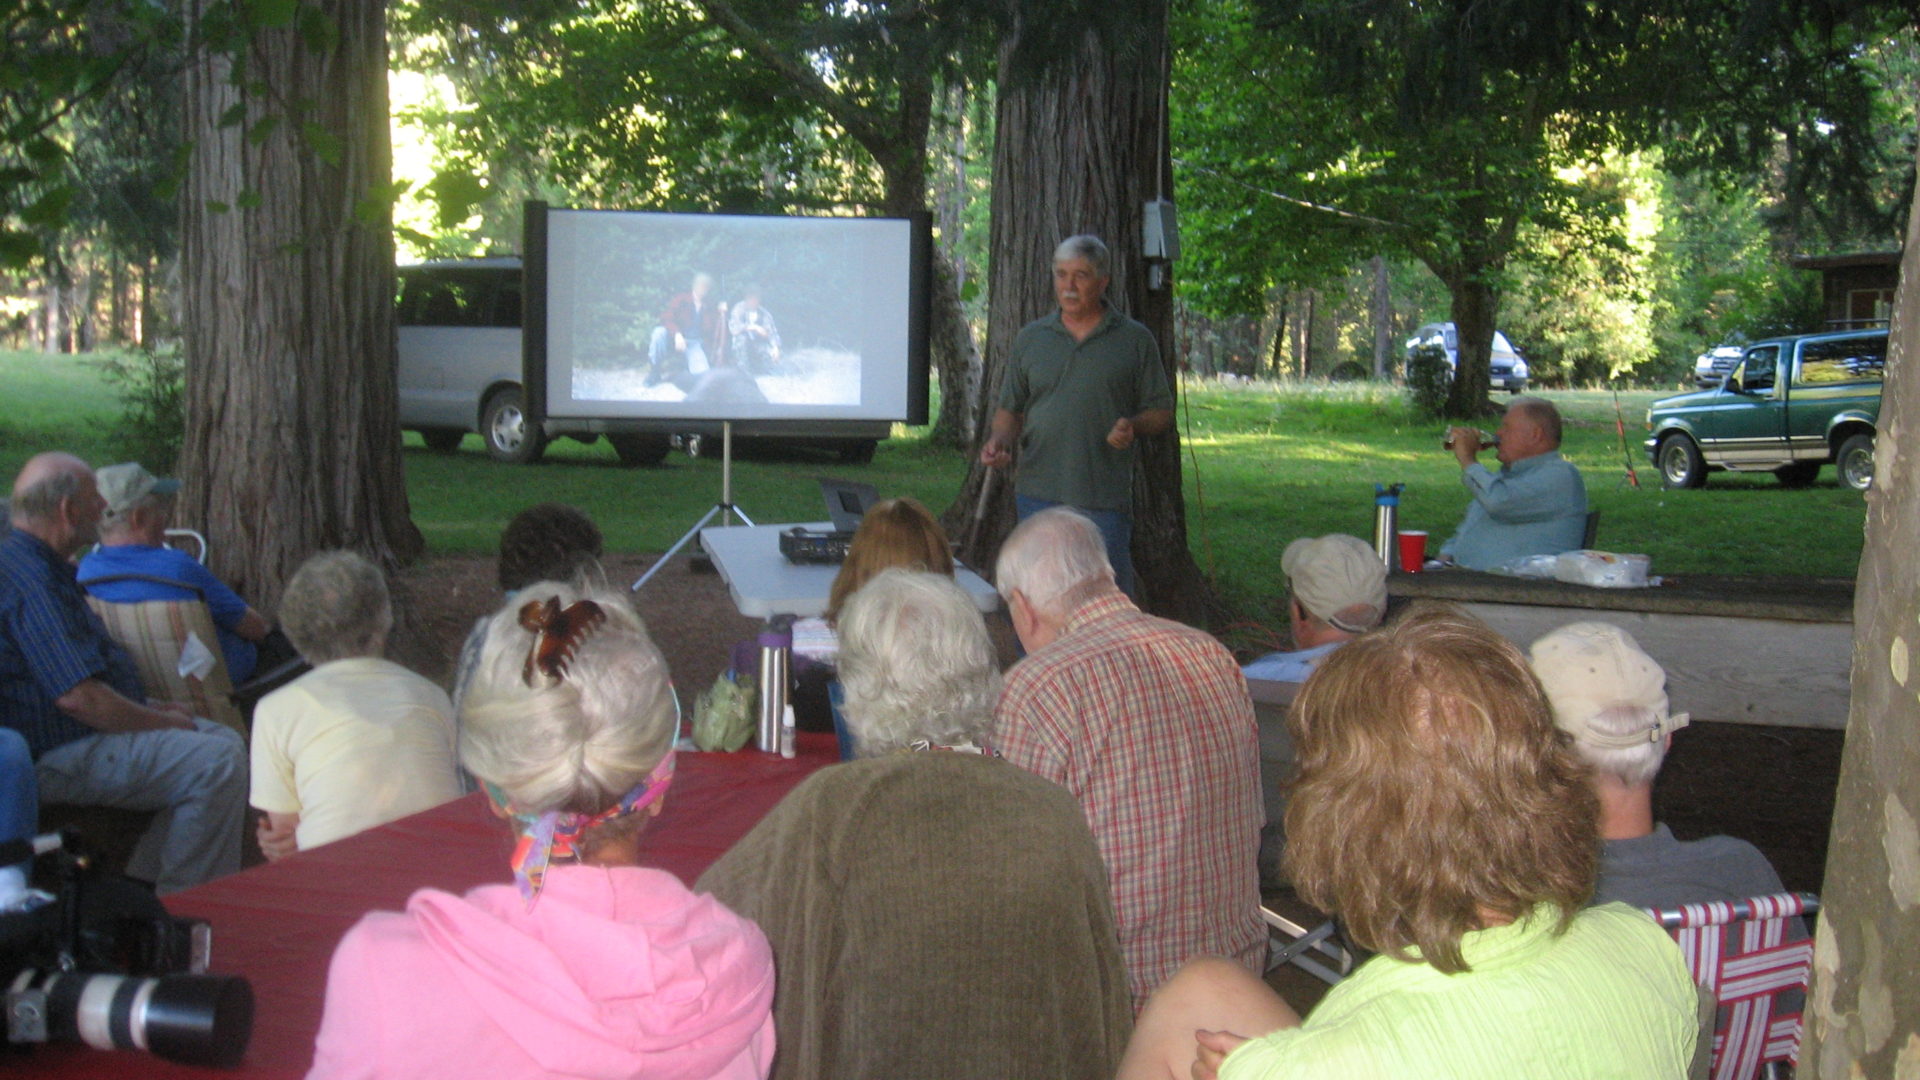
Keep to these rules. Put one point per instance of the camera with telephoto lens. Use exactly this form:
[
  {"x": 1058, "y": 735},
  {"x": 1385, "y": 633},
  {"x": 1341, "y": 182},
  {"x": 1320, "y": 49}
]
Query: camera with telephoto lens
[{"x": 102, "y": 963}]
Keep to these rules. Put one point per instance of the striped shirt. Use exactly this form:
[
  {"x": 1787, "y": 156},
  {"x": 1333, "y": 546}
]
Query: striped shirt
[
  {"x": 1149, "y": 724},
  {"x": 50, "y": 642}
]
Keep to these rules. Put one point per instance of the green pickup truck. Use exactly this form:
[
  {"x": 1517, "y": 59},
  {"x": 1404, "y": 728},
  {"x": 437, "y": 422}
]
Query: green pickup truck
[{"x": 1788, "y": 407}]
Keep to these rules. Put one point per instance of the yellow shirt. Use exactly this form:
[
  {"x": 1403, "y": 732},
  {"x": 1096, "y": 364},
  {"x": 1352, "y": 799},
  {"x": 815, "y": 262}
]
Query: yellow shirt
[
  {"x": 1608, "y": 998},
  {"x": 350, "y": 745}
]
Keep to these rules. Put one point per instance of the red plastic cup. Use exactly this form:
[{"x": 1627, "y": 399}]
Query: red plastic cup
[{"x": 1413, "y": 550}]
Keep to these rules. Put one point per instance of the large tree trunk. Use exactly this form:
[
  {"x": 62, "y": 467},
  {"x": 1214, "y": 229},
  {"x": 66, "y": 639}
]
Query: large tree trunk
[
  {"x": 1863, "y": 1014},
  {"x": 293, "y": 439},
  {"x": 1077, "y": 152}
]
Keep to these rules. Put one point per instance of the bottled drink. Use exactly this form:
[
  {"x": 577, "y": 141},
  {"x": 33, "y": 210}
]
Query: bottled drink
[{"x": 1488, "y": 440}]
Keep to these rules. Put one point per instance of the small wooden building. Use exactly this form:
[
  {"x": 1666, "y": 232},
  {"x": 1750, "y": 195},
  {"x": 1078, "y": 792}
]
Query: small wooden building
[{"x": 1857, "y": 288}]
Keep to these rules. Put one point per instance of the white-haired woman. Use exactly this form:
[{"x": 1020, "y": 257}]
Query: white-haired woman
[
  {"x": 591, "y": 966},
  {"x": 358, "y": 741},
  {"x": 931, "y": 913}
]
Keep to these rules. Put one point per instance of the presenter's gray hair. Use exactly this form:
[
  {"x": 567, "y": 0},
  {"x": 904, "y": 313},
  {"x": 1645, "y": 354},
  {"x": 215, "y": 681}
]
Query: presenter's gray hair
[
  {"x": 1089, "y": 247},
  {"x": 582, "y": 742},
  {"x": 915, "y": 663},
  {"x": 337, "y": 607},
  {"x": 1054, "y": 558}
]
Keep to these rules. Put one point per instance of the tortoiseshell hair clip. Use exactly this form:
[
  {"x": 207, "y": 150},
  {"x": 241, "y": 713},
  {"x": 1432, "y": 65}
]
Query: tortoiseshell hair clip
[{"x": 556, "y": 633}]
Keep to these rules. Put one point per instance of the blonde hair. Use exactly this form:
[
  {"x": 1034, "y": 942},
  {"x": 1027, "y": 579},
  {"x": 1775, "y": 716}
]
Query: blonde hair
[
  {"x": 587, "y": 739},
  {"x": 1434, "y": 789},
  {"x": 893, "y": 533}
]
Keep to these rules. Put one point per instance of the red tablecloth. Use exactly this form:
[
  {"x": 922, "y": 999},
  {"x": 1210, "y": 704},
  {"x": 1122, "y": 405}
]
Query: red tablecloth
[{"x": 277, "y": 924}]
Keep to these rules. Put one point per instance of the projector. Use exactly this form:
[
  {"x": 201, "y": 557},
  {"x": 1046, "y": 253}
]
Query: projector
[{"x": 801, "y": 545}]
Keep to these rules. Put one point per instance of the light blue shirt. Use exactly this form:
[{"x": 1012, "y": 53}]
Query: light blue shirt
[
  {"x": 1537, "y": 506},
  {"x": 1289, "y": 666}
]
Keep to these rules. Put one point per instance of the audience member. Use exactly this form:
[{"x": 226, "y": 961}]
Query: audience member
[
  {"x": 19, "y": 810},
  {"x": 1535, "y": 505},
  {"x": 893, "y": 533},
  {"x": 547, "y": 542},
  {"x": 133, "y": 541},
  {"x": 1441, "y": 816},
  {"x": 1336, "y": 591},
  {"x": 592, "y": 966},
  {"x": 75, "y": 696},
  {"x": 358, "y": 741},
  {"x": 1611, "y": 697},
  {"x": 1149, "y": 724},
  {"x": 931, "y": 914}
]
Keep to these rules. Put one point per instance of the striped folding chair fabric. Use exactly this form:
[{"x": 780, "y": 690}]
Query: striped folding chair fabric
[
  {"x": 154, "y": 633},
  {"x": 1738, "y": 950}
]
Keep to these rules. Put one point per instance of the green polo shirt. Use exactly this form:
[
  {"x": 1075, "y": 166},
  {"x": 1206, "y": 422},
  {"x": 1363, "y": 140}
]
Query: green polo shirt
[{"x": 1069, "y": 393}]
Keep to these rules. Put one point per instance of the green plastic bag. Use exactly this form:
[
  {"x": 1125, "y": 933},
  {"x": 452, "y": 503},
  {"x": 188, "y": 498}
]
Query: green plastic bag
[{"x": 723, "y": 717}]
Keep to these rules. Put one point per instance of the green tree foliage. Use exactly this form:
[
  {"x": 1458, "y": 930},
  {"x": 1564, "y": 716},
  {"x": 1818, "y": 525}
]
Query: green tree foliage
[{"x": 1441, "y": 129}]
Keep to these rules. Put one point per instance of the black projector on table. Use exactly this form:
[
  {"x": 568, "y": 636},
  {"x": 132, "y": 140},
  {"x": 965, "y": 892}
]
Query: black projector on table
[{"x": 801, "y": 545}]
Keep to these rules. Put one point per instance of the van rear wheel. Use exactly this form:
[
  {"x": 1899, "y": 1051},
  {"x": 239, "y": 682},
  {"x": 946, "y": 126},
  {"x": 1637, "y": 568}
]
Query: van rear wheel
[{"x": 509, "y": 437}]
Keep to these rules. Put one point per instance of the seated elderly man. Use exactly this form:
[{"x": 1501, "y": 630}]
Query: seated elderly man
[
  {"x": 1149, "y": 724},
  {"x": 1535, "y": 505},
  {"x": 1611, "y": 698},
  {"x": 1336, "y": 591},
  {"x": 133, "y": 541},
  {"x": 76, "y": 698},
  {"x": 931, "y": 913},
  {"x": 358, "y": 741}
]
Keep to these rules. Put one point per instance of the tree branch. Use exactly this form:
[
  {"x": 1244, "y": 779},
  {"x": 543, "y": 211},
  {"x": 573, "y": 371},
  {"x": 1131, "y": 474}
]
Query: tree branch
[{"x": 857, "y": 122}]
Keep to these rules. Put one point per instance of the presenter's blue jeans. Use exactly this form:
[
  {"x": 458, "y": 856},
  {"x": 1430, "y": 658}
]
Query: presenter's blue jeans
[
  {"x": 1116, "y": 529},
  {"x": 19, "y": 794}
]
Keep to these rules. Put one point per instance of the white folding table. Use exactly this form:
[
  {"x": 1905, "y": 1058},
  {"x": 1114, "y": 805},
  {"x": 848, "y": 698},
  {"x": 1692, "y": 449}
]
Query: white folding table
[{"x": 763, "y": 583}]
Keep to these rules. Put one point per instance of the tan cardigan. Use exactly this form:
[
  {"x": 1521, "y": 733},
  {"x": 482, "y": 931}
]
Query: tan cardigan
[{"x": 933, "y": 915}]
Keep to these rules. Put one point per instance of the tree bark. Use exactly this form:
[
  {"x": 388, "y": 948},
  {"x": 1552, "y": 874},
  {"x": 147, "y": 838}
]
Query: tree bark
[
  {"x": 293, "y": 439},
  {"x": 1382, "y": 317},
  {"x": 1079, "y": 151},
  {"x": 1863, "y": 1016},
  {"x": 1475, "y": 306}
]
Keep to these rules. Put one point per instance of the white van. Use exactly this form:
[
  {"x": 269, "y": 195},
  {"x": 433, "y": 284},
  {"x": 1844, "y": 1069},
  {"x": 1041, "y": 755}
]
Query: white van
[
  {"x": 459, "y": 371},
  {"x": 1508, "y": 369}
]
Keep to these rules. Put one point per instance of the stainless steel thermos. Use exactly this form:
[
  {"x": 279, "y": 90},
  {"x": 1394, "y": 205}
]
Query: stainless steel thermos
[
  {"x": 1386, "y": 523},
  {"x": 776, "y": 654}
]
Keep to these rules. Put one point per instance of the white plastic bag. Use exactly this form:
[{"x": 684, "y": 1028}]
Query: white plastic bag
[{"x": 1602, "y": 569}]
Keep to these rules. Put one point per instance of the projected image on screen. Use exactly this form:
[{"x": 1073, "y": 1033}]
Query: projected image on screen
[{"x": 728, "y": 317}]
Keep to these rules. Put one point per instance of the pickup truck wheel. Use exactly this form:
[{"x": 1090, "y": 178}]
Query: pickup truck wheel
[
  {"x": 640, "y": 449},
  {"x": 1854, "y": 462},
  {"x": 442, "y": 440},
  {"x": 509, "y": 438},
  {"x": 1681, "y": 465},
  {"x": 1798, "y": 474}
]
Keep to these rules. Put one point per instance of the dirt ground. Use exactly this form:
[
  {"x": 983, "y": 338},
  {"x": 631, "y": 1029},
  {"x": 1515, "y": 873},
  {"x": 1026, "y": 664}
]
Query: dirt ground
[{"x": 1772, "y": 786}]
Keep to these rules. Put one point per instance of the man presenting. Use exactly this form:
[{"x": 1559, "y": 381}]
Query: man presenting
[
  {"x": 75, "y": 696},
  {"x": 1081, "y": 385},
  {"x": 1535, "y": 505}
]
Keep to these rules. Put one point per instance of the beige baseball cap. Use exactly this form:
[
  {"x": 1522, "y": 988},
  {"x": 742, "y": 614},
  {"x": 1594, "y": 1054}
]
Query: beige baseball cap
[
  {"x": 1590, "y": 667},
  {"x": 127, "y": 483},
  {"x": 1329, "y": 574}
]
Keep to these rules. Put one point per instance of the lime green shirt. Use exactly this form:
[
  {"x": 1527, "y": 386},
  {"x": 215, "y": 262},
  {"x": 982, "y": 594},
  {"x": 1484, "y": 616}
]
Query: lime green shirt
[
  {"x": 1068, "y": 394},
  {"x": 1609, "y": 998}
]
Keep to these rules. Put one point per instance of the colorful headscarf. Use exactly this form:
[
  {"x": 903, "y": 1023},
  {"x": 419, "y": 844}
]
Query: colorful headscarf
[{"x": 554, "y": 835}]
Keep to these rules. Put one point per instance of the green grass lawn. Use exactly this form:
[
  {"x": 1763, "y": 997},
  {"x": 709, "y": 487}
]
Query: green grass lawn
[{"x": 1265, "y": 463}]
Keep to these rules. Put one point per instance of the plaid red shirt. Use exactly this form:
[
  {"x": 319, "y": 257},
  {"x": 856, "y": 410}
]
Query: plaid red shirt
[{"x": 1149, "y": 724}]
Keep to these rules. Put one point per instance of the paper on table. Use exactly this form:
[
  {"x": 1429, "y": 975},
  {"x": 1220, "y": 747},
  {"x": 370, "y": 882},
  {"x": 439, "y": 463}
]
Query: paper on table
[{"x": 196, "y": 659}]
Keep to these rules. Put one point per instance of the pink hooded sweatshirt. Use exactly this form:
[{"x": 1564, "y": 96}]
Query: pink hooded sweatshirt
[{"x": 614, "y": 973}]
